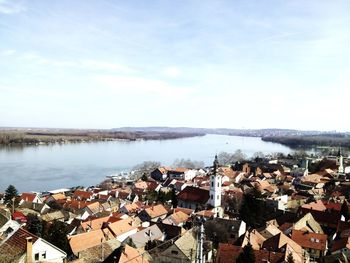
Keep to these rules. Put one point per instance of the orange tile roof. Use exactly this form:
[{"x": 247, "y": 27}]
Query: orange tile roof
[
  {"x": 132, "y": 255},
  {"x": 205, "y": 213},
  {"x": 156, "y": 211},
  {"x": 178, "y": 217},
  {"x": 227, "y": 171},
  {"x": 58, "y": 196},
  {"x": 87, "y": 240},
  {"x": 94, "y": 224},
  {"x": 187, "y": 211},
  {"x": 318, "y": 206},
  {"x": 122, "y": 226},
  {"x": 132, "y": 208},
  {"x": 310, "y": 240}
]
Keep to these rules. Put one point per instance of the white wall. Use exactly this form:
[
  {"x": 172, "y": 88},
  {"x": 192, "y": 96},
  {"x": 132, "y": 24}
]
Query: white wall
[
  {"x": 124, "y": 236},
  {"x": 53, "y": 254}
]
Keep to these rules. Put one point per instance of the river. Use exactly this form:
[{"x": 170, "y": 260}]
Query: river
[{"x": 48, "y": 167}]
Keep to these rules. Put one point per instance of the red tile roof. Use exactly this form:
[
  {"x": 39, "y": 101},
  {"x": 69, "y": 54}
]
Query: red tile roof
[
  {"x": 19, "y": 216},
  {"x": 228, "y": 253},
  {"x": 29, "y": 197},
  {"x": 194, "y": 195},
  {"x": 310, "y": 240},
  {"x": 82, "y": 194}
]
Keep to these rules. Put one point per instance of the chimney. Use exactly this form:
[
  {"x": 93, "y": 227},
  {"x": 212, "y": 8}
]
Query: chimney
[{"x": 29, "y": 250}]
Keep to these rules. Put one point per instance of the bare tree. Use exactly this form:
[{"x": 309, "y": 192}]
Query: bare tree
[
  {"x": 188, "y": 163},
  {"x": 226, "y": 158},
  {"x": 144, "y": 169}
]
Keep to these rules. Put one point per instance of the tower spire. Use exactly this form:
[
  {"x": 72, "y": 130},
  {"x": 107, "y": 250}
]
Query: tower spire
[{"x": 215, "y": 164}]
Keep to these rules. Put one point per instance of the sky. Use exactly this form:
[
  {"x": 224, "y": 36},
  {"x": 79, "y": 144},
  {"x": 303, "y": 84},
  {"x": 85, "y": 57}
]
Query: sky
[{"x": 194, "y": 63}]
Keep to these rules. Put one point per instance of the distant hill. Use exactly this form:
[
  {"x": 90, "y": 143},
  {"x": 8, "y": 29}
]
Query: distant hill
[{"x": 222, "y": 131}]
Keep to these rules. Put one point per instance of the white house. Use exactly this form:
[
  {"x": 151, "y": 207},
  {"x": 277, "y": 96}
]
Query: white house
[{"x": 22, "y": 246}]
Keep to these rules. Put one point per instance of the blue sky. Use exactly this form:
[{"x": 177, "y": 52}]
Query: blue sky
[{"x": 233, "y": 64}]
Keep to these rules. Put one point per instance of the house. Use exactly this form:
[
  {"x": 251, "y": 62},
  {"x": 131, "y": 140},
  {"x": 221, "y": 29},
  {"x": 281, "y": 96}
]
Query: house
[
  {"x": 340, "y": 246},
  {"x": 41, "y": 208},
  {"x": 91, "y": 209},
  {"x": 19, "y": 217},
  {"x": 82, "y": 195},
  {"x": 277, "y": 201},
  {"x": 228, "y": 253},
  {"x": 30, "y": 197},
  {"x": 308, "y": 223},
  {"x": 225, "y": 229},
  {"x": 170, "y": 231},
  {"x": 99, "y": 252},
  {"x": 140, "y": 239},
  {"x": 313, "y": 244},
  {"x": 153, "y": 213},
  {"x": 127, "y": 254},
  {"x": 193, "y": 197},
  {"x": 183, "y": 250},
  {"x": 282, "y": 243},
  {"x": 160, "y": 174},
  {"x": 130, "y": 209},
  {"x": 84, "y": 241},
  {"x": 59, "y": 198},
  {"x": 254, "y": 238},
  {"x": 177, "y": 218},
  {"x": 124, "y": 228},
  {"x": 179, "y": 173},
  {"x": 22, "y": 246},
  {"x": 96, "y": 223},
  {"x": 60, "y": 215}
]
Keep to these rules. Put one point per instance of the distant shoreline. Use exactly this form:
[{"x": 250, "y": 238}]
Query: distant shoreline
[{"x": 38, "y": 137}]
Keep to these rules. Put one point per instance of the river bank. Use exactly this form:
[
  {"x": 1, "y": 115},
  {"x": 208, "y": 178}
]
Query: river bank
[{"x": 21, "y": 137}]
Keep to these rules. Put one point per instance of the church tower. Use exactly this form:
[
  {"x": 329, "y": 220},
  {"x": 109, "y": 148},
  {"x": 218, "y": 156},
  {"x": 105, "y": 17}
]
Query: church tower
[
  {"x": 215, "y": 186},
  {"x": 340, "y": 162}
]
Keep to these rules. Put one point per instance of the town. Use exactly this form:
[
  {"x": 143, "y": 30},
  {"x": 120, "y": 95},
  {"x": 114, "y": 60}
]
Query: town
[{"x": 274, "y": 209}]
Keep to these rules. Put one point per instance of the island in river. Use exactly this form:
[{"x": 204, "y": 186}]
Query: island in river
[{"x": 22, "y": 136}]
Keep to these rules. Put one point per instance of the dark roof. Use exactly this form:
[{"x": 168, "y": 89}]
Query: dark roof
[
  {"x": 194, "y": 195},
  {"x": 339, "y": 244},
  {"x": 3, "y": 220},
  {"x": 228, "y": 253},
  {"x": 169, "y": 230},
  {"x": 328, "y": 217},
  {"x": 16, "y": 244}
]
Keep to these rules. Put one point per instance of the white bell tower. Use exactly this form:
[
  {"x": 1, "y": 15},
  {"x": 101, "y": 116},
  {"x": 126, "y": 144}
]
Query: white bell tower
[
  {"x": 341, "y": 162},
  {"x": 215, "y": 186}
]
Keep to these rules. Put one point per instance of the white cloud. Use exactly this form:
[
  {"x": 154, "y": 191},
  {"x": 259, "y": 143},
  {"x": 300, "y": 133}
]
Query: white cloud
[
  {"x": 7, "y": 52},
  {"x": 172, "y": 72},
  {"x": 102, "y": 65},
  {"x": 138, "y": 85},
  {"x": 11, "y": 7},
  {"x": 88, "y": 64}
]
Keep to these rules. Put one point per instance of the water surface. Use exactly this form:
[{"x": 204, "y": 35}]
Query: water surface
[{"x": 47, "y": 167}]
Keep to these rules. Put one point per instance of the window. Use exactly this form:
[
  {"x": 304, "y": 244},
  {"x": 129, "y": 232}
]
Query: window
[
  {"x": 36, "y": 256},
  {"x": 174, "y": 252},
  {"x": 43, "y": 255},
  {"x": 217, "y": 197},
  {"x": 212, "y": 184},
  {"x": 218, "y": 184},
  {"x": 211, "y": 197}
]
